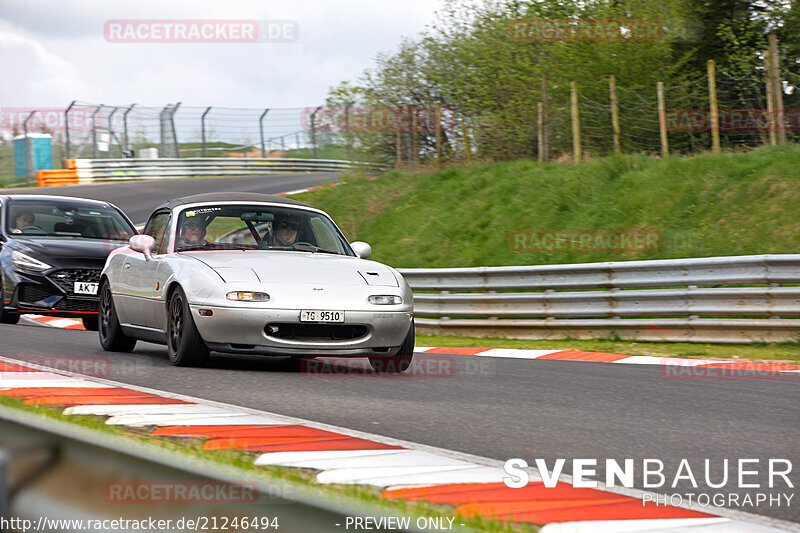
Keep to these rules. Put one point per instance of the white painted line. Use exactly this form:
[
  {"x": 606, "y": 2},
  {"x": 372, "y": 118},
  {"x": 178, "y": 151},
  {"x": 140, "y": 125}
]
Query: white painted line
[
  {"x": 286, "y": 458},
  {"x": 403, "y": 458},
  {"x": 387, "y": 474},
  {"x": 480, "y": 474},
  {"x": 640, "y": 526},
  {"x": 120, "y": 410},
  {"x": 513, "y": 353},
  {"x": 24, "y": 383},
  {"x": 172, "y": 420}
]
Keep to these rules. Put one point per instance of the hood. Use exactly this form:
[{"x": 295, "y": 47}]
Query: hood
[
  {"x": 66, "y": 252},
  {"x": 299, "y": 267}
]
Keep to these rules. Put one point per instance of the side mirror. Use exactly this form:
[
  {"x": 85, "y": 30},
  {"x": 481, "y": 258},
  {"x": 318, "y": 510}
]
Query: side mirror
[
  {"x": 362, "y": 249},
  {"x": 143, "y": 244}
]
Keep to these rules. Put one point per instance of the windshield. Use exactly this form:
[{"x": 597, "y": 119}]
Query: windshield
[
  {"x": 64, "y": 219},
  {"x": 258, "y": 227}
]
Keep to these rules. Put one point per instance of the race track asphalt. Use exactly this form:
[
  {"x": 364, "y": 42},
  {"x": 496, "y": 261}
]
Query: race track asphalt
[{"x": 496, "y": 408}]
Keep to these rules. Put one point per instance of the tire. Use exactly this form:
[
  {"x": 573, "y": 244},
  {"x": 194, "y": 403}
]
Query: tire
[
  {"x": 91, "y": 323},
  {"x": 112, "y": 339},
  {"x": 184, "y": 343},
  {"x": 396, "y": 364},
  {"x": 5, "y": 316}
]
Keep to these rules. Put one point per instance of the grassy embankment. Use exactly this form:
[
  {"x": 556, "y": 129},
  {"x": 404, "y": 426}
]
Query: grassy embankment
[{"x": 702, "y": 206}]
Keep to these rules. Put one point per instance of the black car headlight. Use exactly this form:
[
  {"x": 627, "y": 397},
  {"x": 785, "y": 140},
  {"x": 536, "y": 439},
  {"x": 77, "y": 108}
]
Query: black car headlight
[
  {"x": 385, "y": 299},
  {"x": 27, "y": 262}
]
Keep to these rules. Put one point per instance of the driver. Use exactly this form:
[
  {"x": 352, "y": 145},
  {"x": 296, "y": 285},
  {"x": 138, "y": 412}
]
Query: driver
[
  {"x": 193, "y": 233},
  {"x": 23, "y": 220},
  {"x": 286, "y": 227}
]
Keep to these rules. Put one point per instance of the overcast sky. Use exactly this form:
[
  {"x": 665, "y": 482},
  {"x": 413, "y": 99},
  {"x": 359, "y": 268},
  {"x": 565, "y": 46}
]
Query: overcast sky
[{"x": 55, "y": 51}]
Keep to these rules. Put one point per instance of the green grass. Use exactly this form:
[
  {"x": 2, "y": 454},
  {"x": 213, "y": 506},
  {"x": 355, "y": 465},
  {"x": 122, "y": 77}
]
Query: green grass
[
  {"x": 244, "y": 462},
  {"x": 708, "y": 205},
  {"x": 788, "y": 352}
]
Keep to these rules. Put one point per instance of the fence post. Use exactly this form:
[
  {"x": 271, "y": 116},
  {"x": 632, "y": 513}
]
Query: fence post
[
  {"x": 261, "y": 132},
  {"x": 777, "y": 91},
  {"x": 398, "y": 148},
  {"x": 467, "y": 144},
  {"x": 545, "y": 121},
  {"x": 714, "y": 109},
  {"x": 283, "y": 146},
  {"x": 203, "y": 131},
  {"x": 347, "y": 129},
  {"x": 438, "y": 134},
  {"x": 111, "y": 134},
  {"x": 414, "y": 139},
  {"x": 612, "y": 91},
  {"x": 68, "y": 147},
  {"x": 94, "y": 132},
  {"x": 662, "y": 120},
  {"x": 540, "y": 130},
  {"x": 773, "y": 134},
  {"x": 174, "y": 131},
  {"x": 314, "y": 130},
  {"x": 27, "y": 149},
  {"x": 125, "y": 128},
  {"x": 576, "y": 122}
]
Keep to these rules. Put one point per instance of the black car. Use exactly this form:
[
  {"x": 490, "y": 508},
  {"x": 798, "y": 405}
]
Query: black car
[{"x": 52, "y": 250}]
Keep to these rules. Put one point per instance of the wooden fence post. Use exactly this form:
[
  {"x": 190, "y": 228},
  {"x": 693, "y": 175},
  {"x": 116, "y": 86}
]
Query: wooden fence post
[
  {"x": 540, "y": 129},
  {"x": 612, "y": 90},
  {"x": 576, "y": 123},
  {"x": 714, "y": 109},
  {"x": 545, "y": 121},
  {"x": 438, "y": 134},
  {"x": 662, "y": 120},
  {"x": 777, "y": 88}
]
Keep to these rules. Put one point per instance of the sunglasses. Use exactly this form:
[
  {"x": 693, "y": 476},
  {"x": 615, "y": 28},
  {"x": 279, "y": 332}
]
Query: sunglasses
[{"x": 288, "y": 225}]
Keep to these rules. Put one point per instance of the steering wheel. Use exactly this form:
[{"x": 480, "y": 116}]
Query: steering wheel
[{"x": 26, "y": 228}]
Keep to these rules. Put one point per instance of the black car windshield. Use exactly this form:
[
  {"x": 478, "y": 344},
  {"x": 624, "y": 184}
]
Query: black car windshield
[
  {"x": 258, "y": 227},
  {"x": 65, "y": 219}
]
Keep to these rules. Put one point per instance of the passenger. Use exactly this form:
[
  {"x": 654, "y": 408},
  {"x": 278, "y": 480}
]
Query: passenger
[
  {"x": 23, "y": 220},
  {"x": 193, "y": 233},
  {"x": 285, "y": 230}
]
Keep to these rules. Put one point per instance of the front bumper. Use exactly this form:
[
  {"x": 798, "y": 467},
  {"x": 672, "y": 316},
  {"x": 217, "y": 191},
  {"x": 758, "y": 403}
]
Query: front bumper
[
  {"x": 243, "y": 330},
  {"x": 50, "y": 293}
]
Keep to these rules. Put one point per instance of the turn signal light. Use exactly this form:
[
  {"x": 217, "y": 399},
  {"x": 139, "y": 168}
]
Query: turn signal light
[{"x": 243, "y": 296}]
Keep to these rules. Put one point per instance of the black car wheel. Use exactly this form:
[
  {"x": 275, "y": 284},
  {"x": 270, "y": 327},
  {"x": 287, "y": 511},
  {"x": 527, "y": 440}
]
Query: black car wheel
[
  {"x": 184, "y": 343},
  {"x": 91, "y": 323},
  {"x": 396, "y": 364},
  {"x": 112, "y": 339},
  {"x": 6, "y": 317}
]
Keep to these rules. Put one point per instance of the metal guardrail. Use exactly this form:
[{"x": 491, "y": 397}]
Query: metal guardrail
[
  {"x": 97, "y": 170},
  {"x": 718, "y": 299}
]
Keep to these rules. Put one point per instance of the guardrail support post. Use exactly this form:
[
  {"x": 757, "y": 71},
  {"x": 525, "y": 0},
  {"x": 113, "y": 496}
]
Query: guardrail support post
[
  {"x": 203, "y": 130},
  {"x": 261, "y": 132},
  {"x": 68, "y": 146}
]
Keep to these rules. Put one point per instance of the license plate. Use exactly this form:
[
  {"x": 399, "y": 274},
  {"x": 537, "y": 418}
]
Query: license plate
[
  {"x": 308, "y": 315},
  {"x": 82, "y": 287}
]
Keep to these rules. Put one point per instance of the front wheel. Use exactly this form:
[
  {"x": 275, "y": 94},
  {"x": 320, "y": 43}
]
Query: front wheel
[
  {"x": 184, "y": 343},
  {"x": 112, "y": 339},
  {"x": 396, "y": 364}
]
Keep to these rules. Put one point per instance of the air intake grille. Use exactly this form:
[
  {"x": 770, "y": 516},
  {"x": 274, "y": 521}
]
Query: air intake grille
[{"x": 316, "y": 332}]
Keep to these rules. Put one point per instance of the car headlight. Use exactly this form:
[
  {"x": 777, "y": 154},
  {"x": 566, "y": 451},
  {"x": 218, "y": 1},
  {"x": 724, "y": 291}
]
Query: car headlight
[
  {"x": 27, "y": 262},
  {"x": 244, "y": 296},
  {"x": 385, "y": 299}
]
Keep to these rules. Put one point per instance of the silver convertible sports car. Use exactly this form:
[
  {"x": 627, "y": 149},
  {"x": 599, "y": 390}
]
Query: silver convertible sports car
[{"x": 253, "y": 274}]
